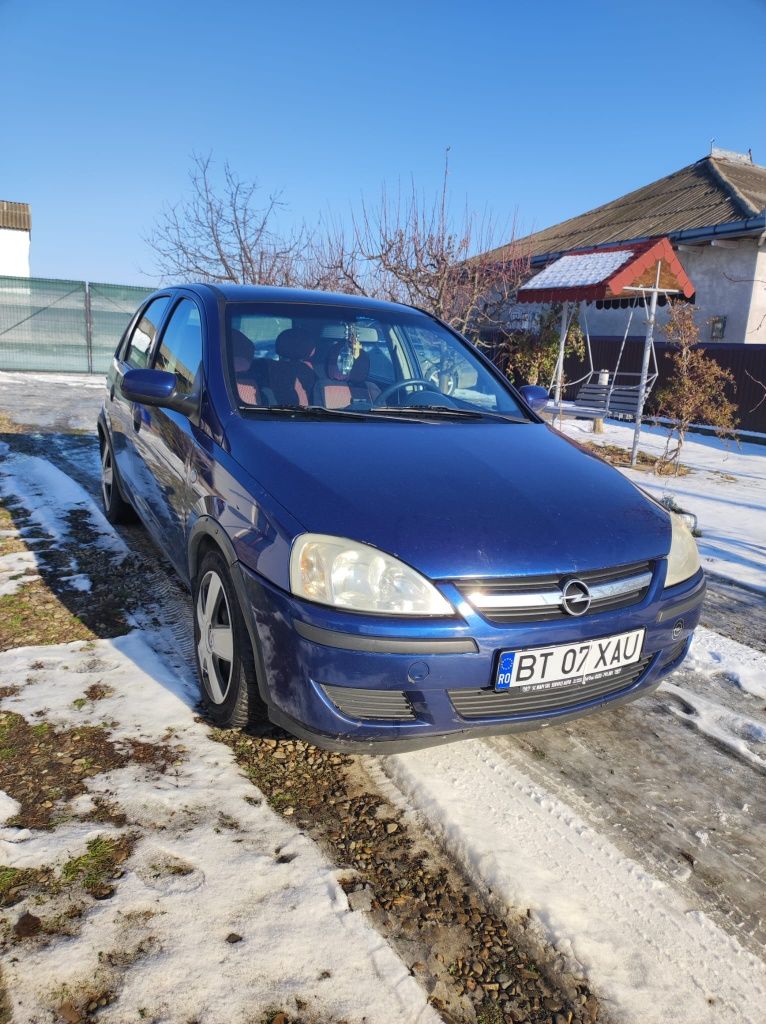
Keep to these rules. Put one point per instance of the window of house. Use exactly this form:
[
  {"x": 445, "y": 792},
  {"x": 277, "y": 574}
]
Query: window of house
[
  {"x": 144, "y": 333},
  {"x": 180, "y": 350},
  {"x": 717, "y": 328}
]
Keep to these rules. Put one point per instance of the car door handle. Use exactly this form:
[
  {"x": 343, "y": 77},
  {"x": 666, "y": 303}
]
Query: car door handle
[{"x": 136, "y": 418}]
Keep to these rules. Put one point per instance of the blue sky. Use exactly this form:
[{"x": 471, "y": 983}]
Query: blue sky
[{"x": 549, "y": 108}]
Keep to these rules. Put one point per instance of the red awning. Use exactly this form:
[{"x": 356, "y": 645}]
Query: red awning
[{"x": 607, "y": 272}]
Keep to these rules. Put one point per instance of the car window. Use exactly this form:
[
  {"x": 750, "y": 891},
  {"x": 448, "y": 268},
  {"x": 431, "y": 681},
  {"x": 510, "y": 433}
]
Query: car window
[
  {"x": 296, "y": 355},
  {"x": 444, "y": 364},
  {"x": 180, "y": 350},
  {"x": 144, "y": 333}
]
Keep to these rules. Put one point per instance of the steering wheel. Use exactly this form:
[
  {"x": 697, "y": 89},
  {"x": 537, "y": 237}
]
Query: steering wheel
[{"x": 428, "y": 385}]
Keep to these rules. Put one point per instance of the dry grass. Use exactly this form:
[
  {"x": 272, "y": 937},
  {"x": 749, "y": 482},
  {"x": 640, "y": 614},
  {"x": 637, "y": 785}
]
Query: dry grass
[{"x": 617, "y": 456}]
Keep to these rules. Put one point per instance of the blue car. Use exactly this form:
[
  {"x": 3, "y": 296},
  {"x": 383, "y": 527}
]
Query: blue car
[{"x": 382, "y": 554}]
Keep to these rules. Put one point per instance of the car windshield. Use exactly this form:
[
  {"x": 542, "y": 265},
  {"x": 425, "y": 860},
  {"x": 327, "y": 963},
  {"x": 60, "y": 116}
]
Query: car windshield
[{"x": 323, "y": 359}]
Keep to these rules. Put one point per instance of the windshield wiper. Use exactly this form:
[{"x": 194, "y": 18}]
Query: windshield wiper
[
  {"x": 444, "y": 410},
  {"x": 320, "y": 411}
]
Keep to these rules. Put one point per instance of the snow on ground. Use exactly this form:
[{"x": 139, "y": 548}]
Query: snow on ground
[
  {"x": 16, "y": 570},
  {"x": 50, "y": 497},
  {"x": 650, "y": 955},
  {"x": 211, "y": 860},
  {"x": 726, "y": 490},
  {"x": 60, "y": 401},
  {"x": 711, "y": 653}
]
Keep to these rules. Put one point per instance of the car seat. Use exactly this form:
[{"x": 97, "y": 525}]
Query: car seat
[
  {"x": 342, "y": 385},
  {"x": 291, "y": 376},
  {"x": 242, "y": 354}
]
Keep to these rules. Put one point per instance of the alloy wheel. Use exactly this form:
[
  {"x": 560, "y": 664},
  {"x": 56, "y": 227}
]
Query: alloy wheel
[
  {"x": 215, "y": 646},
  {"x": 107, "y": 474}
]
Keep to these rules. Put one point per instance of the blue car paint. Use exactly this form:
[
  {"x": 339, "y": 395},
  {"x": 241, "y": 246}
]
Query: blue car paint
[{"x": 451, "y": 499}]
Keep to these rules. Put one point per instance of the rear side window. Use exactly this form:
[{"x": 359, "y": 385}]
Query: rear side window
[
  {"x": 144, "y": 333},
  {"x": 180, "y": 350}
]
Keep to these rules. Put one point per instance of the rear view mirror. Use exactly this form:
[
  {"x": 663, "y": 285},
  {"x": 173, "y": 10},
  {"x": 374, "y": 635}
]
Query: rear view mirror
[
  {"x": 157, "y": 388},
  {"x": 535, "y": 397}
]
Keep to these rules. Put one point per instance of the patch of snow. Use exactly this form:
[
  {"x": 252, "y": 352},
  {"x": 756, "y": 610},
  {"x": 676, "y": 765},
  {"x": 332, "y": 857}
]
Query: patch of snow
[
  {"x": 726, "y": 490},
  {"x": 713, "y": 654},
  {"x": 17, "y": 568},
  {"x": 79, "y": 582},
  {"x": 206, "y": 865},
  {"x": 735, "y": 731},
  {"x": 50, "y": 496},
  {"x": 644, "y": 948},
  {"x": 8, "y": 807}
]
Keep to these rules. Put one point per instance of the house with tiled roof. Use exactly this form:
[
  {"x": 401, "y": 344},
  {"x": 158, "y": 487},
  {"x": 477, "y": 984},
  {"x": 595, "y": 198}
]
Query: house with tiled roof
[
  {"x": 714, "y": 213},
  {"x": 15, "y": 236}
]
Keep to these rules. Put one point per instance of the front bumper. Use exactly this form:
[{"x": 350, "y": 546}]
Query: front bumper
[{"x": 309, "y": 654}]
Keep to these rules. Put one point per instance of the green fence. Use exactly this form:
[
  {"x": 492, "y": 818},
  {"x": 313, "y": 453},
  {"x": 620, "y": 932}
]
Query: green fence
[{"x": 69, "y": 326}]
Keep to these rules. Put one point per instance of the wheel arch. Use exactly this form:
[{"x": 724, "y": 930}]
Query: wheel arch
[{"x": 207, "y": 534}]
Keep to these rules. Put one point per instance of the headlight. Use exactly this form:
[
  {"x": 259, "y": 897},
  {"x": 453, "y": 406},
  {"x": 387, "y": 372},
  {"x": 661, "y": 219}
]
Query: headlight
[
  {"x": 346, "y": 574},
  {"x": 684, "y": 559}
]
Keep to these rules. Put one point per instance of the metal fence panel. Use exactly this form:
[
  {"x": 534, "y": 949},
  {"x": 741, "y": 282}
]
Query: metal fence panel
[
  {"x": 111, "y": 307},
  {"x": 42, "y": 325},
  {"x": 64, "y": 326}
]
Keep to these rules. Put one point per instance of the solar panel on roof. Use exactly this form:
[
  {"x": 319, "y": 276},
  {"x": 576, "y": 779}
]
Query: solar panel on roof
[{"x": 577, "y": 271}]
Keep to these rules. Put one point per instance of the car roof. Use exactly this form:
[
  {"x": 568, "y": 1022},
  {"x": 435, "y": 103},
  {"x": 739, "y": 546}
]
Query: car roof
[{"x": 266, "y": 293}]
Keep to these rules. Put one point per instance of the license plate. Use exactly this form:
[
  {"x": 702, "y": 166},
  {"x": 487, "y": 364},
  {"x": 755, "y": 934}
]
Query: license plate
[{"x": 552, "y": 668}]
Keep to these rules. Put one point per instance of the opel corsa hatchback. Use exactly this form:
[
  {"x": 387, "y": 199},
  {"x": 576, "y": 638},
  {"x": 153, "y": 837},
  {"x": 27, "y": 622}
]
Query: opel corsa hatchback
[{"x": 385, "y": 544}]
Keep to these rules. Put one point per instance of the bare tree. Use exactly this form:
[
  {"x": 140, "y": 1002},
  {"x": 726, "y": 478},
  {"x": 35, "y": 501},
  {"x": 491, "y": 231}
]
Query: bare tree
[
  {"x": 225, "y": 233},
  {"x": 696, "y": 393},
  {"x": 407, "y": 248}
]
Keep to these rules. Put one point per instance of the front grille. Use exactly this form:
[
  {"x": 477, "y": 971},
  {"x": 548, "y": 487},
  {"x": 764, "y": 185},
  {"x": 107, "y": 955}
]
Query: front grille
[
  {"x": 373, "y": 704},
  {"x": 538, "y": 598},
  {"x": 488, "y": 703}
]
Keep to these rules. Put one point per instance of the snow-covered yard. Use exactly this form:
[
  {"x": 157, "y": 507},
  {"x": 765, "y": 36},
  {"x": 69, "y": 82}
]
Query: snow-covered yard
[
  {"x": 725, "y": 489},
  {"x": 144, "y": 877},
  {"x": 222, "y": 910}
]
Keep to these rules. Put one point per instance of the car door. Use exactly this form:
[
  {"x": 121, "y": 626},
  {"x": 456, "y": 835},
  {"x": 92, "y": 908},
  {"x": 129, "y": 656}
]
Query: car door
[
  {"x": 165, "y": 439},
  {"x": 134, "y": 353}
]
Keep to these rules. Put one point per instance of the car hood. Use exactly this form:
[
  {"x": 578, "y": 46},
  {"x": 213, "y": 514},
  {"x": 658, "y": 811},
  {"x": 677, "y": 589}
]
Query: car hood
[{"x": 454, "y": 499}]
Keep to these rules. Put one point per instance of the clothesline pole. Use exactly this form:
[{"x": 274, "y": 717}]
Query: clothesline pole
[
  {"x": 562, "y": 345},
  {"x": 648, "y": 346}
]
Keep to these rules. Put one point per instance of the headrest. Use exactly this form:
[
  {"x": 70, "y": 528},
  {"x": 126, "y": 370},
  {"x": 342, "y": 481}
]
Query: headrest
[
  {"x": 241, "y": 350},
  {"x": 295, "y": 343},
  {"x": 359, "y": 370}
]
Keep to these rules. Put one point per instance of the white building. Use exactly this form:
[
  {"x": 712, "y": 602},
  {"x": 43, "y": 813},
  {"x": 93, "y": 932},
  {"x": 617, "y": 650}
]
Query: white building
[{"x": 15, "y": 237}]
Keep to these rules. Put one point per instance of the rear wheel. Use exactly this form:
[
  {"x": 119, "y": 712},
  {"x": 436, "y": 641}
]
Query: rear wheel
[
  {"x": 225, "y": 662},
  {"x": 116, "y": 509}
]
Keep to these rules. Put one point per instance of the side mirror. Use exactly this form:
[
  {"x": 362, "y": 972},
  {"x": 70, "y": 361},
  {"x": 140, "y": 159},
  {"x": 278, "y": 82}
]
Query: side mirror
[
  {"x": 158, "y": 388},
  {"x": 535, "y": 397}
]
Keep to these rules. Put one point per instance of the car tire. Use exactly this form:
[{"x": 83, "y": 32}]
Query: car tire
[
  {"x": 116, "y": 509},
  {"x": 223, "y": 649}
]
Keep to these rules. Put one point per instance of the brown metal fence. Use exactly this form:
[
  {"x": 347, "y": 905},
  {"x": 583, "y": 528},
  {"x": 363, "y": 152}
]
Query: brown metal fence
[{"x": 740, "y": 359}]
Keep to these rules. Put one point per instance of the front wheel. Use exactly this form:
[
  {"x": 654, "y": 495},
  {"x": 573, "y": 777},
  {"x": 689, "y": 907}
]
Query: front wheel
[{"x": 225, "y": 663}]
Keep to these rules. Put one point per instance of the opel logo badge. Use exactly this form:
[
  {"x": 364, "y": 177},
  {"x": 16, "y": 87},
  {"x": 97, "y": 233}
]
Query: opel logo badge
[{"x": 575, "y": 597}]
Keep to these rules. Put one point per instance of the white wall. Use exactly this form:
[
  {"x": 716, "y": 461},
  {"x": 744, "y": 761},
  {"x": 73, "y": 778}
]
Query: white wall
[
  {"x": 727, "y": 285},
  {"x": 14, "y": 253},
  {"x": 756, "y": 324}
]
